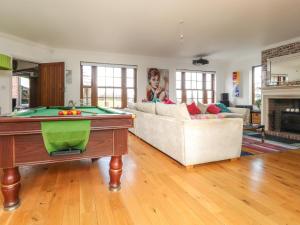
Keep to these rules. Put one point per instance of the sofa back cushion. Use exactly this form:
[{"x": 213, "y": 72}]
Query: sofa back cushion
[
  {"x": 223, "y": 107},
  {"x": 178, "y": 111},
  {"x": 213, "y": 109},
  {"x": 193, "y": 109},
  {"x": 202, "y": 107},
  {"x": 148, "y": 107}
]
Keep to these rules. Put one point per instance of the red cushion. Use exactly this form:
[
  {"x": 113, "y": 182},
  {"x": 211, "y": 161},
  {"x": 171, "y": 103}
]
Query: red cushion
[
  {"x": 213, "y": 109},
  {"x": 169, "y": 101},
  {"x": 193, "y": 109}
]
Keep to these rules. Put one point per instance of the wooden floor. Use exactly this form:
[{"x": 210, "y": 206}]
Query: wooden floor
[{"x": 262, "y": 189}]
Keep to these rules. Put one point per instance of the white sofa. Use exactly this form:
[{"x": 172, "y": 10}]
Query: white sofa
[{"x": 170, "y": 129}]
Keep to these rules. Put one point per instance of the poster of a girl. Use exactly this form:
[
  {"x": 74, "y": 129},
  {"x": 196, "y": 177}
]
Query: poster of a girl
[{"x": 155, "y": 91}]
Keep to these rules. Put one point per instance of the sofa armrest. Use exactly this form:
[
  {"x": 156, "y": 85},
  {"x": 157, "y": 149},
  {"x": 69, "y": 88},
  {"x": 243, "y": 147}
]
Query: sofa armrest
[{"x": 244, "y": 111}]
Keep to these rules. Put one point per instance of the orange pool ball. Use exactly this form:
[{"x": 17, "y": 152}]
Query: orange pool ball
[
  {"x": 78, "y": 112},
  {"x": 65, "y": 112}
]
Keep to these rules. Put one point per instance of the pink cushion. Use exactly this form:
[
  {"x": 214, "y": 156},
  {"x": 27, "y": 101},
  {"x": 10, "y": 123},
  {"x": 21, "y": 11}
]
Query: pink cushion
[
  {"x": 193, "y": 109},
  {"x": 169, "y": 101},
  {"x": 213, "y": 109}
]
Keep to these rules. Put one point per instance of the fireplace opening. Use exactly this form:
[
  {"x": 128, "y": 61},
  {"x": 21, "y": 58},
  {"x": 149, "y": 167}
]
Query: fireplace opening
[
  {"x": 284, "y": 115},
  {"x": 290, "y": 121}
]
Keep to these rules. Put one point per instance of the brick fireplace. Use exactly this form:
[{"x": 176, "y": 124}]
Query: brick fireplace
[{"x": 280, "y": 111}]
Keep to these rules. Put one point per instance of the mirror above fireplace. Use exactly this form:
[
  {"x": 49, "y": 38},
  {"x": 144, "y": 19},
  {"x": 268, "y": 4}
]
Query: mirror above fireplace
[{"x": 284, "y": 71}]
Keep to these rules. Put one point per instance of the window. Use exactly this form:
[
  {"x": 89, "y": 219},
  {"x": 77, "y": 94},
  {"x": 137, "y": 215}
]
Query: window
[
  {"x": 108, "y": 85},
  {"x": 86, "y": 96},
  {"x": 197, "y": 86},
  {"x": 256, "y": 83}
]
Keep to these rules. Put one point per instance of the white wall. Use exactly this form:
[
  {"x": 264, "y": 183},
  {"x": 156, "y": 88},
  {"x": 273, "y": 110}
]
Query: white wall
[
  {"x": 26, "y": 50},
  {"x": 244, "y": 66},
  {"x": 21, "y": 49},
  {"x": 72, "y": 59}
]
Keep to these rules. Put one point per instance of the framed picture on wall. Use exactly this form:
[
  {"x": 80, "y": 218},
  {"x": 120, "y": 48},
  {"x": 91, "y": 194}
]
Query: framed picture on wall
[
  {"x": 157, "y": 84},
  {"x": 236, "y": 79}
]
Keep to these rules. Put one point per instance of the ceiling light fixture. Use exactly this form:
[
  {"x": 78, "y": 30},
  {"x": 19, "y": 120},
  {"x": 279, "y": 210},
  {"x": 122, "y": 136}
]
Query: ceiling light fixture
[{"x": 181, "y": 36}]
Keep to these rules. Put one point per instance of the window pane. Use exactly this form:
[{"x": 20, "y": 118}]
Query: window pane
[
  {"x": 117, "y": 81},
  {"x": 86, "y": 75},
  {"x": 109, "y": 92},
  {"x": 178, "y": 76},
  {"x": 130, "y": 93},
  {"x": 130, "y": 100},
  {"x": 209, "y": 94},
  {"x": 200, "y": 94},
  {"x": 109, "y": 72},
  {"x": 199, "y": 85},
  {"x": 188, "y": 85},
  {"x": 109, "y": 81},
  {"x": 87, "y": 102},
  {"x": 130, "y": 82},
  {"x": 178, "y": 100},
  {"x": 101, "y": 92},
  {"x": 195, "y": 94},
  {"x": 188, "y": 94},
  {"x": 209, "y": 101},
  {"x": 178, "y": 94},
  {"x": 257, "y": 83},
  {"x": 208, "y": 77},
  {"x": 117, "y": 72},
  {"x": 199, "y": 77},
  {"x": 117, "y": 103},
  {"x": 101, "y": 102},
  {"x": 109, "y": 102},
  {"x": 208, "y": 85},
  {"x": 188, "y": 76},
  {"x": 194, "y": 85},
  {"x": 194, "y": 76},
  {"x": 130, "y": 73},
  {"x": 178, "y": 84},
  {"x": 117, "y": 93},
  {"x": 189, "y": 100},
  {"x": 87, "y": 92},
  {"x": 100, "y": 76}
]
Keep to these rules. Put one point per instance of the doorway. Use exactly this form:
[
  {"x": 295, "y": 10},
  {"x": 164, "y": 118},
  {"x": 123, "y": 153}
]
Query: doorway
[
  {"x": 37, "y": 84},
  {"x": 24, "y": 84}
]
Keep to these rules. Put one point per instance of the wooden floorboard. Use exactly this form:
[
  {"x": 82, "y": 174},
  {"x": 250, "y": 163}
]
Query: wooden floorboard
[{"x": 261, "y": 189}]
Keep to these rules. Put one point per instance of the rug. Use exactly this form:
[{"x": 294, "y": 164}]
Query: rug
[{"x": 255, "y": 146}]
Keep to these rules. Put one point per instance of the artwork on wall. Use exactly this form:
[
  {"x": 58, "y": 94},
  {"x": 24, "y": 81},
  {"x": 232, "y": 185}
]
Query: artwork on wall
[
  {"x": 157, "y": 84},
  {"x": 236, "y": 78}
]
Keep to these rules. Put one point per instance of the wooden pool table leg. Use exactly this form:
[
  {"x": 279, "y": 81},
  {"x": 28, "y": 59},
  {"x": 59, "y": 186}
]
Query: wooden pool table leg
[
  {"x": 10, "y": 188},
  {"x": 115, "y": 172}
]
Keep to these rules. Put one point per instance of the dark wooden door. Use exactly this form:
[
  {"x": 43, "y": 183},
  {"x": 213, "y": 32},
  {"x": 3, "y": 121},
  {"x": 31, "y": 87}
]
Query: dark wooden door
[{"x": 51, "y": 84}]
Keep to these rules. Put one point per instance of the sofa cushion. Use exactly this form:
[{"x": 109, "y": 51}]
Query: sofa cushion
[
  {"x": 178, "y": 111},
  {"x": 193, "y": 109},
  {"x": 148, "y": 107},
  {"x": 223, "y": 107},
  {"x": 202, "y": 108},
  {"x": 213, "y": 109}
]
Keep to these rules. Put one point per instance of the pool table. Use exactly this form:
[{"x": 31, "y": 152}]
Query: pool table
[{"x": 21, "y": 143}]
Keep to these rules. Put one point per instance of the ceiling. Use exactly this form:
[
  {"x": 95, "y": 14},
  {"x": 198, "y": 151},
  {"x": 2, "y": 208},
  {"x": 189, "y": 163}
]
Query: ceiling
[{"x": 152, "y": 27}]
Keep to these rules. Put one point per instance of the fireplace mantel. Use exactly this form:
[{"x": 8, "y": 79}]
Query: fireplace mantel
[{"x": 276, "y": 92}]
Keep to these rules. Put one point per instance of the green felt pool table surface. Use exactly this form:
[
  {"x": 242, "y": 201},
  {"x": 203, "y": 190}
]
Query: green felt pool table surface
[{"x": 53, "y": 111}]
